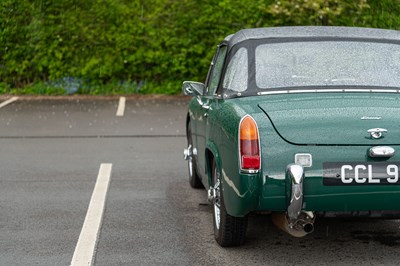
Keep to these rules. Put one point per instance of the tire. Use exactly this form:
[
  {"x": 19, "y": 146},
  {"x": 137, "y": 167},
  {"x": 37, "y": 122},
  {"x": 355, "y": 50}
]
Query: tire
[
  {"x": 194, "y": 179},
  {"x": 228, "y": 230}
]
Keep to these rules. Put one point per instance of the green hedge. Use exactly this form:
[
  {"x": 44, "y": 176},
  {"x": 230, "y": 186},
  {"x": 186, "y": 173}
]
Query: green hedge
[{"x": 145, "y": 46}]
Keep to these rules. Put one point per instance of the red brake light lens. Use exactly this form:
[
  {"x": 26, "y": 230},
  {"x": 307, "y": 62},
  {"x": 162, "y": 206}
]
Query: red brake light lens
[
  {"x": 250, "y": 162},
  {"x": 249, "y": 144}
]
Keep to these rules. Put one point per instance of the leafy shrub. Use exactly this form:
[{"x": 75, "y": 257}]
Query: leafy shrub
[{"x": 145, "y": 46}]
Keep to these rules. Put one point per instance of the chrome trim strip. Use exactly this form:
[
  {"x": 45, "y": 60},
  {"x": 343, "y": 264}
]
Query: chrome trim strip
[
  {"x": 331, "y": 90},
  {"x": 327, "y": 91},
  {"x": 357, "y": 90},
  {"x": 301, "y": 91},
  {"x": 271, "y": 92},
  {"x": 388, "y": 91},
  {"x": 249, "y": 171}
]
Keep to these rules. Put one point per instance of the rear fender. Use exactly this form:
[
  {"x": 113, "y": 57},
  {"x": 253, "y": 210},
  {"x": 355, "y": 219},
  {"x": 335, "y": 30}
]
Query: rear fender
[{"x": 241, "y": 192}]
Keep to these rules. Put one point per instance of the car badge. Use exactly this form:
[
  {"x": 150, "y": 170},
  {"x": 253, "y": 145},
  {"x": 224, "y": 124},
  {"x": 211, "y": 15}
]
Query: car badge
[
  {"x": 376, "y": 133},
  {"x": 371, "y": 118}
]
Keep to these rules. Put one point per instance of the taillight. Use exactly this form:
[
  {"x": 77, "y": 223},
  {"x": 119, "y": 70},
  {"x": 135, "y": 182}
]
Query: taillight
[{"x": 249, "y": 146}]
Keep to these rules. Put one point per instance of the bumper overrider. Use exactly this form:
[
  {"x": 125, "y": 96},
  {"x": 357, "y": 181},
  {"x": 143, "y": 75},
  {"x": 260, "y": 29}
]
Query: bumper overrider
[{"x": 295, "y": 221}]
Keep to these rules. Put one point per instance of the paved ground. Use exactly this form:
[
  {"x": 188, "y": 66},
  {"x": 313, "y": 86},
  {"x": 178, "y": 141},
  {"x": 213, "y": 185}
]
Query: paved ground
[{"x": 51, "y": 153}]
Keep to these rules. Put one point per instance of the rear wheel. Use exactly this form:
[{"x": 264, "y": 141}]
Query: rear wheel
[
  {"x": 194, "y": 179},
  {"x": 228, "y": 230}
]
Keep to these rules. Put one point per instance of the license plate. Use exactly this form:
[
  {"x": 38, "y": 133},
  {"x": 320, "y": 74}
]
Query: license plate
[{"x": 365, "y": 173}]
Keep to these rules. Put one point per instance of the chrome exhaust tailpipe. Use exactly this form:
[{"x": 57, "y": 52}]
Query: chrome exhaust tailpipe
[
  {"x": 308, "y": 228},
  {"x": 300, "y": 227}
]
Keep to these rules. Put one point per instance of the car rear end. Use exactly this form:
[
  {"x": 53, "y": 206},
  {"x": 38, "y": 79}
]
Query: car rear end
[{"x": 330, "y": 154}]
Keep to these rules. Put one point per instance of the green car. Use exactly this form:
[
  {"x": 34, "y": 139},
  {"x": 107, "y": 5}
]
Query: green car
[{"x": 299, "y": 123}]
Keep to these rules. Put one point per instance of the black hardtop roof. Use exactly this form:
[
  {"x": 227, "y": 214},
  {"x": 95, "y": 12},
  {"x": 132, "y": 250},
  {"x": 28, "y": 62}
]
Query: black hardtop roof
[{"x": 312, "y": 31}]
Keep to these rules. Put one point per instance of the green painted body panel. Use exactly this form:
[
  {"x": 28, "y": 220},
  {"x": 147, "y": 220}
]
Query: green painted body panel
[
  {"x": 334, "y": 131},
  {"x": 334, "y": 119}
]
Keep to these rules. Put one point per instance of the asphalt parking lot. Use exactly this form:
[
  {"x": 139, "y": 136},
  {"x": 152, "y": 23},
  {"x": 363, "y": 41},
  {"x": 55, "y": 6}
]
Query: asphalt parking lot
[{"x": 54, "y": 151}]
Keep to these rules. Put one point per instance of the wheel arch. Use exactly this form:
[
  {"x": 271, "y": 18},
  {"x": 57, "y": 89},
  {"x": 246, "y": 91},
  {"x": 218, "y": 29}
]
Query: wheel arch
[{"x": 211, "y": 153}]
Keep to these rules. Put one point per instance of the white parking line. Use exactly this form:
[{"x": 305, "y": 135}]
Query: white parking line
[
  {"x": 85, "y": 248},
  {"x": 13, "y": 99},
  {"x": 121, "y": 106}
]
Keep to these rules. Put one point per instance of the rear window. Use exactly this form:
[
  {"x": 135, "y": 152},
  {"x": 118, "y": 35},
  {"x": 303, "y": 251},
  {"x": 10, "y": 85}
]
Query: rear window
[{"x": 327, "y": 63}]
